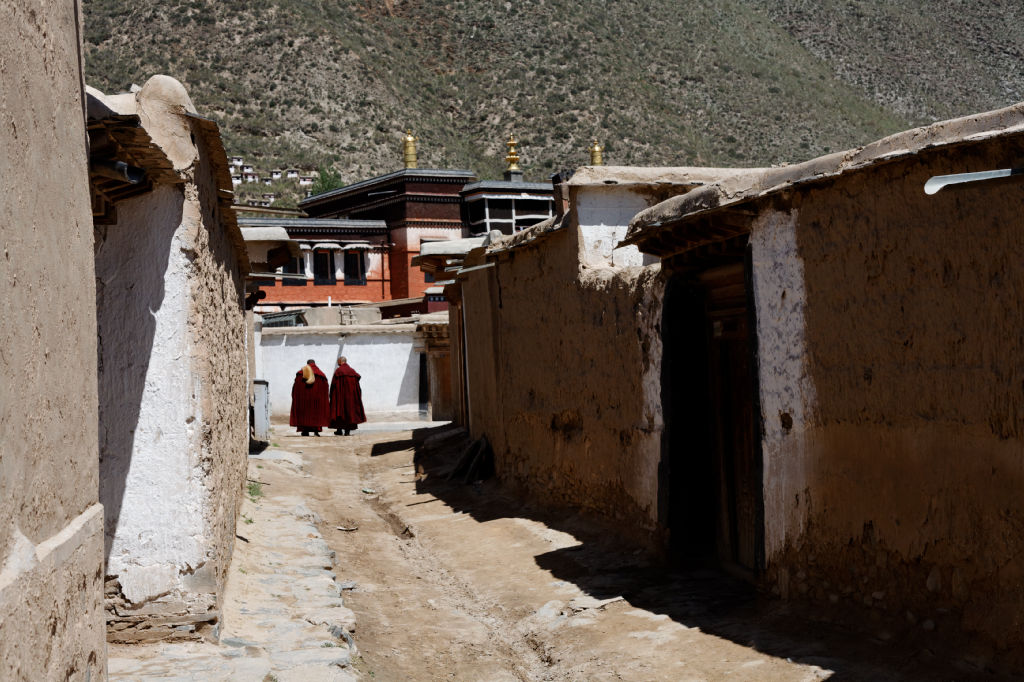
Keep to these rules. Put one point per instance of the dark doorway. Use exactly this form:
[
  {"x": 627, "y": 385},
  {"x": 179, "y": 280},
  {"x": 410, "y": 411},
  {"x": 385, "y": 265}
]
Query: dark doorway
[
  {"x": 712, "y": 489},
  {"x": 424, "y": 384}
]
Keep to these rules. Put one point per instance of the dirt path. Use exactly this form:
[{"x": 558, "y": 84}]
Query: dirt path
[{"x": 465, "y": 583}]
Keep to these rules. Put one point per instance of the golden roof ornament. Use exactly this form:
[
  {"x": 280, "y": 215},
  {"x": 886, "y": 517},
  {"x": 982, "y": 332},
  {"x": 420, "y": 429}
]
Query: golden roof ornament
[
  {"x": 596, "y": 157},
  {"x": 512, "y": 158},
  {"x": 409, "y": 149}
]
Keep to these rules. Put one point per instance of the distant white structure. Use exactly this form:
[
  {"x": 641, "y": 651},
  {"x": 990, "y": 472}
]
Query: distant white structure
[{"x": 388, "y": 357}]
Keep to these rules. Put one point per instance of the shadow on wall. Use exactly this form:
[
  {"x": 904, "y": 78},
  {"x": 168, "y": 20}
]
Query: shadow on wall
[
  {"x": 131, "y": 263},
  {"x": 390, "y": 370},
  {"x": 607, "y": 565},
  {"x": 409, "y": 391},
  {"x": 389, "y": 367}
]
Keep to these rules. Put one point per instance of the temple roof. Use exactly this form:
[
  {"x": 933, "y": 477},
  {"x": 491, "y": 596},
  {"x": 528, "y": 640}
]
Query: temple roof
[{"x": 443, "y": 174}]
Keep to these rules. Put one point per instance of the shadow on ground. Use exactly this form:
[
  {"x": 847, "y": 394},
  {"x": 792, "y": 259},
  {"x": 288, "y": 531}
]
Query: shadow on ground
[
  {"x": 859, "y": 646},
  {"x": 379, "y": 449}
]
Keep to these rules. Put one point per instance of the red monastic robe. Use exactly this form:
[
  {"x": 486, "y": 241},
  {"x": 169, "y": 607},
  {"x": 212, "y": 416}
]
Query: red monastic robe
[
  {"x": 346, "y": 399},
  {"x": 310, "y": 403}
]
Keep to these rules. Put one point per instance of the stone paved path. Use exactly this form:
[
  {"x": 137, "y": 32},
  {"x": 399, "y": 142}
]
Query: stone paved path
[{"x": 284, "y": 613}]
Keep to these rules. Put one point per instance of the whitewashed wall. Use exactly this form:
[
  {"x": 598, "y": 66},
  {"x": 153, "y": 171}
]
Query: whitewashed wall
[
  {"x": 604, "y": 213},
  {"x": 385, "y": 357},
  {"x": 151, "y": 482}
]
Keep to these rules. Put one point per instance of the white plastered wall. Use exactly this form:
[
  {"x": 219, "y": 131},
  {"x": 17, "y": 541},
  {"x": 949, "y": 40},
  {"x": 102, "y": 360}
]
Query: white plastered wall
[
  {"x": 388, "y": 363},
  {"x": 603, "y": 213},
  {"x": 786, "y": 387},
  {"x": 151, "y": 478}
]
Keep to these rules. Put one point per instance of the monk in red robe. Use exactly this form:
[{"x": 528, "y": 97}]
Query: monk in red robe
[
  {"x": 346, "y": 400},
  {"x": 311, "y": 406}
]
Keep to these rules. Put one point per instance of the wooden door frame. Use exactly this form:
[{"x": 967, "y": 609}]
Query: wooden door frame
[{"x": 743, "y": 256}]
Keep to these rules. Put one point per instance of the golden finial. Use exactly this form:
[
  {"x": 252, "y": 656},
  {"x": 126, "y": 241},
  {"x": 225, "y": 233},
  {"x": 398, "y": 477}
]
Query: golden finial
[
  {"x": 409, "y": 149},
  {"x": 596, "y": 159},
  {"x": 512, "y": 158}
]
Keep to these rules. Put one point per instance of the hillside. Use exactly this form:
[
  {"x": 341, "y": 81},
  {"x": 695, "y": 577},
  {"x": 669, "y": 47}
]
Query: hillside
[{"x": 661, "y": 83}]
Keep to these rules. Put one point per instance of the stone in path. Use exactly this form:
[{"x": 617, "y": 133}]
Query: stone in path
[{"x": 284, "y": 615}]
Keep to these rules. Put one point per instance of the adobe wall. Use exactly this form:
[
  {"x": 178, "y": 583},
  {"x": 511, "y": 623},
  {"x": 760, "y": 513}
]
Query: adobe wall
[
  {"x": 51, "y": 522},
  {"x": 439, "y": 373},
  {"x": 564, "y": 370},
  {"x": 890, "y": 332},
  {"x": 172, "y": 387},
  {"x": 385, "y": 357},
  {"x": 218, "y": 333}
]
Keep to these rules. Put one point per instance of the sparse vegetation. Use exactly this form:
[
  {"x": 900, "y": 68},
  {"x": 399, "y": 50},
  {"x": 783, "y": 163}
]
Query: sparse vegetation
[
  {"x": 255, "y": 490},
  {"x": 335, "y": 84}
]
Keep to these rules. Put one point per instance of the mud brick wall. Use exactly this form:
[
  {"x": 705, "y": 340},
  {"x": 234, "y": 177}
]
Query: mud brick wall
[
  {"x": 217, "y": 329},
  {"x": 51, "y": 538},
  {"x": 891, "y": 332},
  {"x": 172, "y": 386},
  {"x": 564, "y": 370}
]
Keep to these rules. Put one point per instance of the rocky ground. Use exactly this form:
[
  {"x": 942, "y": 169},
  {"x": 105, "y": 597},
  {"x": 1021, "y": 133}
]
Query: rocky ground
[
  {"x": 434, "y": 580},
  {"x": 284, "y": 613}
]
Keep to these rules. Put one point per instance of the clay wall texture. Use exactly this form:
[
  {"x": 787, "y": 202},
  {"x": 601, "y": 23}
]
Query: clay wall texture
[
  {"x": 51, "y": 542},
  {"x": 439, "y": 372},
  {"x": 564, "y": 373},
  {"x": 173, "y": 389},
  {"x": 218, "y": 329},
  {"x": 890, "y": 331}
]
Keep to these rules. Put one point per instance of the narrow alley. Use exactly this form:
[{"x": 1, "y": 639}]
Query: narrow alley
[{"x": 444, "y": 581}]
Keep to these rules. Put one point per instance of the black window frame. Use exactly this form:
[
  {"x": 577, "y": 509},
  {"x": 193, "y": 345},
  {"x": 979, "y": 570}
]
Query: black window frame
[
  {"x": 324, "y": 278},
  {"x": 358, "y": 279},
  {"x": 296, "y": 266}
]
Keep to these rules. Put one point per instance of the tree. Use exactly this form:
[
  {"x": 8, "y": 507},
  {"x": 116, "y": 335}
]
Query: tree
[{"x": 328, "y": 179}]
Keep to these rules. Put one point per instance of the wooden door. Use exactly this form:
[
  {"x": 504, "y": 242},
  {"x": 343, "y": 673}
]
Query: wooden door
[{"x": 732, "y": 394}]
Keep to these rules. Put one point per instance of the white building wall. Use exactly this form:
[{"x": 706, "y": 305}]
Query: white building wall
[
  {"x": 603, "y": 214},
  {"x": 786, "y": 384},
  {"x": 151, "y": 475},
  {"x": 388, "y": 362}
]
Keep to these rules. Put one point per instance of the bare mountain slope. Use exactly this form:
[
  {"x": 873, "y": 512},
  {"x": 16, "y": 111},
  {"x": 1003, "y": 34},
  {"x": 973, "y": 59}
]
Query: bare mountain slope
[{"x": 680, "y": 82}]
